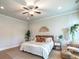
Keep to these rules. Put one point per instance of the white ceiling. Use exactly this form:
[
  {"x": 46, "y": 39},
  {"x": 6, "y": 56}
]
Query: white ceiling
[{"x": 14, "y": 9}]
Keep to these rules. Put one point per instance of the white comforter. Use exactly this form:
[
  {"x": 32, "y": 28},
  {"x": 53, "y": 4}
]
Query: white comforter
[{"x": 41, "y": 49}]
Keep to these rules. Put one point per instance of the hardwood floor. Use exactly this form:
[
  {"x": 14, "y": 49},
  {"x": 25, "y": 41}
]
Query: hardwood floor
[{"x": 15, "y": 53}]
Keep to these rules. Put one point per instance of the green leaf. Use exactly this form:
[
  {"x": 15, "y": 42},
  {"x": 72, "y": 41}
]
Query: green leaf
[{"x": 73, "y": 29}]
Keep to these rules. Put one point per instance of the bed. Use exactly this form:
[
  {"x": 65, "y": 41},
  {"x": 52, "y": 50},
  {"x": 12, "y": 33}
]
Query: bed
[{"x": 42, "y": 49}]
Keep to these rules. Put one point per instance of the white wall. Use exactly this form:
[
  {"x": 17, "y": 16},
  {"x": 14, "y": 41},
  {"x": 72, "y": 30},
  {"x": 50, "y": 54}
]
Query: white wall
[
  {"x": 55, "y": 24},
  {"x": 12, "y": 32}
]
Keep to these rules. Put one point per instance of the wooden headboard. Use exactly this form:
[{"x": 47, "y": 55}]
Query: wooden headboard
[{"x": 46, "y": 36}]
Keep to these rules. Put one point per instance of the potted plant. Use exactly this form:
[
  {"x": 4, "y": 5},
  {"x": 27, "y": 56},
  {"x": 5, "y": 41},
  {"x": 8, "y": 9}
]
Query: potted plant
[
  {"x": 73, "y": 29},
  {"x": 61, "y": 36},
  {"x": 27, "y": 35},
  {"x": 62, "y": 40}
]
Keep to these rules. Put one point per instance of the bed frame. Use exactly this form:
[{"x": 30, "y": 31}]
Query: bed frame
[{"x": 46, "y": 36}]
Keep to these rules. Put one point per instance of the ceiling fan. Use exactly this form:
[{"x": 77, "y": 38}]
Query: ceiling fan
[{"x": 31, "y": 9}]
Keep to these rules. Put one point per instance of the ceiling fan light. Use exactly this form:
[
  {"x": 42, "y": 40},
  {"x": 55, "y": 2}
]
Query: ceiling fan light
[
  {"x": 31, "y": 12},
  {"x": 2, "y": 7}
]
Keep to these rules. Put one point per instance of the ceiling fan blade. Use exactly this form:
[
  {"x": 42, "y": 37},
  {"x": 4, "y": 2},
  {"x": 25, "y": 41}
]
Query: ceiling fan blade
[
  {"x": 24, "y": 12},
  {"x": 38, "y": 12},
  {"x": 36, "y": 7},
  {"x": 26, "y": 8}
]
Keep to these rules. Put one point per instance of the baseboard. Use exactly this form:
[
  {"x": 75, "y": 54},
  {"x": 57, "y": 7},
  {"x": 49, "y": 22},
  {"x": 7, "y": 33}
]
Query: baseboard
[{"x": 8, "y": 47}]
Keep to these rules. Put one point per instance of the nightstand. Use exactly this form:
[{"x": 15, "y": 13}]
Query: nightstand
[{"x": 57, "y": 46}]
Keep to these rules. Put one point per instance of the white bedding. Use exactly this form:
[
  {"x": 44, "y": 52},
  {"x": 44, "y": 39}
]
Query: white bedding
[{"x": 38, "y": 48}]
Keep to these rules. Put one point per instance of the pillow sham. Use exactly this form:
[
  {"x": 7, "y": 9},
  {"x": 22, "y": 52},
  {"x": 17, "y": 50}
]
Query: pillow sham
[
  {"x": 48, "y": 39},
  {"x": 40, "y": 39}
]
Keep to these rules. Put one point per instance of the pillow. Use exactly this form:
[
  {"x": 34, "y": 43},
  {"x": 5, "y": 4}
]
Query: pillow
[
  {"x": 74, "y": 49},
  {"x": 43, "y": 39},
  {"x": 37, "y": 39},
  {"x": 48, "y": 39},
  {"x": 40, "y": 39}
]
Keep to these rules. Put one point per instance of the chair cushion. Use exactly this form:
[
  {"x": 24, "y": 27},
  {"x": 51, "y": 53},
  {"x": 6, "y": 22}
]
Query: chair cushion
[{"x": 73, "y": 48}]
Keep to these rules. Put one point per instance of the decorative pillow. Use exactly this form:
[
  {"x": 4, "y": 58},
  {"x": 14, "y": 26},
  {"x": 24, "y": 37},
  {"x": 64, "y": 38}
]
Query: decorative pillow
[
  {"x": 37, "y": 39},
  {"x": 48, "y": 39},
  {"x": 43, "y": 39},
  {"x": 40, "y": 39},
  {"x": 74, "y": 49}
]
